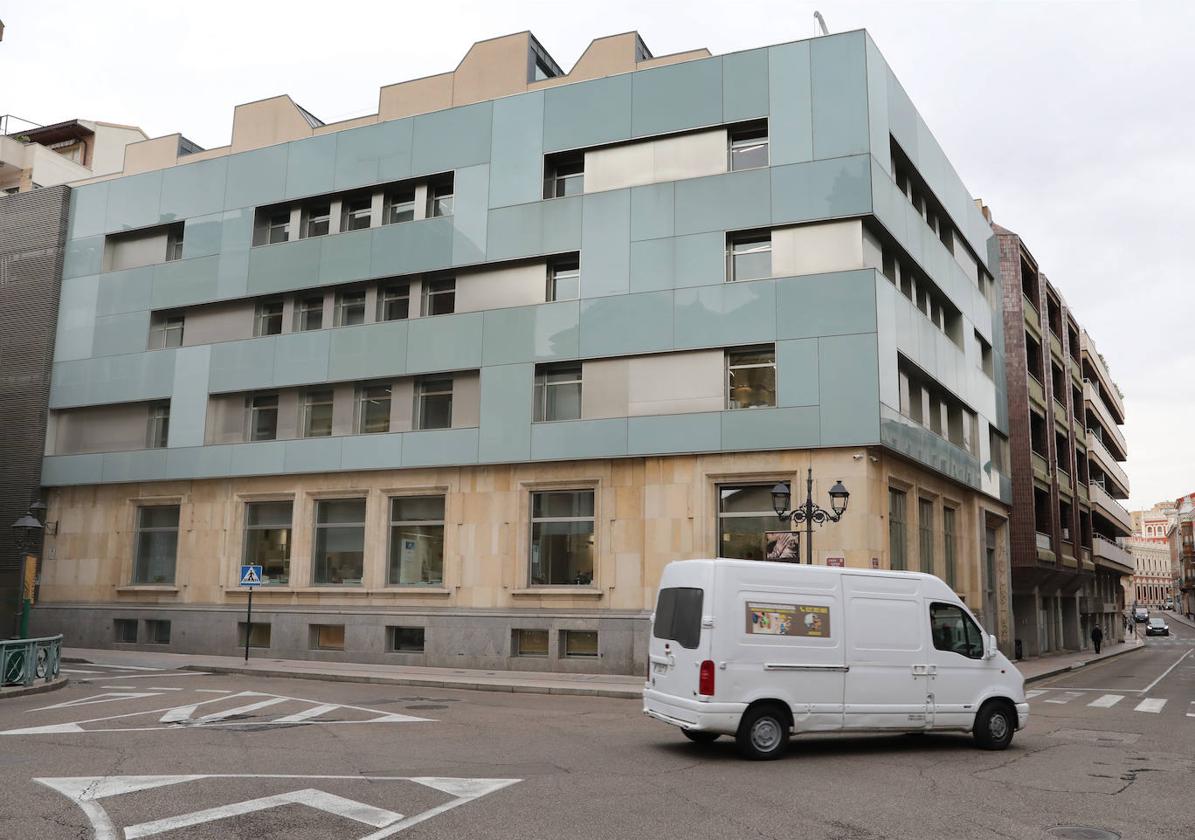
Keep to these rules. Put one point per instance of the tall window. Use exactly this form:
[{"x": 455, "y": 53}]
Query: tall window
[
  {"x": 263, "y": 417},
  {"x": 356, "y": 212},
  {"x": 439, "y": 296},
  {"x": 278, "y": 228},
  {"x": 745, "y": 514},
  {"x": 925, "y": 534},
  {"x": 954, "y": 631},
  {"x": 317, "y": 220},
  {"x": 268, "y": 320},
  {"x": 433, "y": 409},
  {"x": 950, "y": 543},
  {"x": 416, "y": 541},
  {"x": 167, "y": 332},
  {"x": 339, "y": 541},
  {"x": 400, "y": 205},
  {"x": 562, "y": 538},
  {"x": 748, "y": 256},
  {"x": 268, "y": 539},
  {"x": 158, "y": 432},
  {"x": 749, "y": 148},
  {"x": 751, "y": 377},
  {"x": 174, "y": 243},
  {"x": 564, "y": 175},
  {"x": 350, "y": 308},
  {"x": 373, "y": 409},
  {"x": 898, "y": 535},
  {"x": 564, "y": 280},
  {"x": 439, "y": 198},
  {"x": 394, "y": 302},
  {"x": 157, "y": 544},
  {"x": 309, "y": 314},
  {"x": 558, "y": 392},
  {"x": 317, "y": 413}
]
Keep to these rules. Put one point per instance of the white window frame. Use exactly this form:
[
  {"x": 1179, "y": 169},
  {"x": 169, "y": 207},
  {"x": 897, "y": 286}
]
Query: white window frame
[
  {"x": 566, "y": 270},
  {"x": 435, "y": 288},
  {"x": 364, "y": 396},
  {"x": 260, "y": 317},
  {"x": 309, "y": 403},
  {"x": 157, "y": 433},
  {"x": 423, "y": 391},
  {"x": 347, "y": 300},
  {"x": 302, "y": 310},
  {"x": 543, "y": 386},
  {"x": 533, "y": 520},
  {"x": 392, "y": 293},
  {"x": 750, "y": 243},
  {"x": 253, "y": 409}
]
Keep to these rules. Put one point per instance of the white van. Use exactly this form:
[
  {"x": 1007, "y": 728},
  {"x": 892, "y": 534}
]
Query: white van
[{"x": 761, "y": 650}]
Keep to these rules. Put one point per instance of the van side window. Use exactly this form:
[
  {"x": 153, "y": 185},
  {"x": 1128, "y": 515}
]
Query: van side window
[
  {"x": 678, "y": 616},
  {"x": 954, "y": 631}
]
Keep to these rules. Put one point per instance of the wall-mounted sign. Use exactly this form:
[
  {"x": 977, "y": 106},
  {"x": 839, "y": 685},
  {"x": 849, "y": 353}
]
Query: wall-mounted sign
[
  {"x": 836, "y": 561},
  {"x": 875, "y": 562},
  {"x": 788, "y": 620}
]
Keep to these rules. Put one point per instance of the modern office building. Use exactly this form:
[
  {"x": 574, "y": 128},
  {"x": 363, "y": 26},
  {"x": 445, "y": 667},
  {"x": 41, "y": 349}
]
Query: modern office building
[
  {"x": 1065, "y": 414},
  {"x": 464, "y": 375}
]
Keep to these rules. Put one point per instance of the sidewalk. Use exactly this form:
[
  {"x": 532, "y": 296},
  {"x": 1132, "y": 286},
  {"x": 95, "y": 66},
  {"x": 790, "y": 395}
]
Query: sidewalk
[
  {"x": 1043, "y": 667},
  {"x": 532, "y": 682}
]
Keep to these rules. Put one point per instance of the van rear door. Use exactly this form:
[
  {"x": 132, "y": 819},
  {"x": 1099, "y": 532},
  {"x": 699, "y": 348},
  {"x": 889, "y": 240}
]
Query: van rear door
[{"x": 679, "y": 644}]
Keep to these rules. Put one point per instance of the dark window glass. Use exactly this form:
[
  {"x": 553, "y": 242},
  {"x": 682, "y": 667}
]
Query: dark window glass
[
  {"x": 678, "y": 616},
  {"x": 954, "y": 631}
]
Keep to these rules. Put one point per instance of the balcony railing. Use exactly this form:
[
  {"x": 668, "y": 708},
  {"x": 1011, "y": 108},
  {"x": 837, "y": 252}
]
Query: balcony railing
[
  {"x": 1111, "y": 508},
  {"x": 1107, "y": 386},
  {"x": 1107, "y": 463},
  {"x": 1108, "y": 424},
  {"x": 1043, "y": 541},
  {"x": 1105, "y": 549},
  {"x": 24, "y": 660}
]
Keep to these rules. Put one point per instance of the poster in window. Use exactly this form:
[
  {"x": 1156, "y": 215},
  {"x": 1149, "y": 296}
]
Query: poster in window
[
  {"x": 804, "y": 620},
  {"x": 780, "y": 545}
]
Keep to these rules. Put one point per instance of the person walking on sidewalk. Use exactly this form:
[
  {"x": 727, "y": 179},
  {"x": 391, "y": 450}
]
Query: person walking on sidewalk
[{"x": 1097, "y": 637}]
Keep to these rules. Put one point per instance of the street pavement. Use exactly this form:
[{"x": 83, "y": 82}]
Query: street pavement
[{"x": 132, "y": 750}]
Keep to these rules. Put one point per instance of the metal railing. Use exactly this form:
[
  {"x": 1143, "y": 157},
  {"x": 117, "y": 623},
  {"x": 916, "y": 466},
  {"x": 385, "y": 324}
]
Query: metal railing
[{"x": 22, "y": 661}]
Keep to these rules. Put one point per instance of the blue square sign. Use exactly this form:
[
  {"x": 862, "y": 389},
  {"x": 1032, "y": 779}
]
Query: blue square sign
[{"x": 250, "y": 575}]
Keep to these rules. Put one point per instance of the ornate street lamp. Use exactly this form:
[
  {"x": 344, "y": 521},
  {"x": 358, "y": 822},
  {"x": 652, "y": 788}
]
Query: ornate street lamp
[
  {"x": 808, "y": 512},
  {"x": 27, "y": 529}
]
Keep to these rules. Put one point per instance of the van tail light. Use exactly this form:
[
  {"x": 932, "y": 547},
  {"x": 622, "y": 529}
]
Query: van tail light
[{"x": 705, "y": 680}]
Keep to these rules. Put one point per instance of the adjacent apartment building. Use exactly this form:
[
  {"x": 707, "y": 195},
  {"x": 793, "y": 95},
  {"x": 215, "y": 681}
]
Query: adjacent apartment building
[
  {"x": 464, "y": 375},
  {"x": 1067, "y": 448},
  {"x": 1156, "y": 576},
  {"x": 1182, "y": 553},
  {"x": 33, "y": 156}
]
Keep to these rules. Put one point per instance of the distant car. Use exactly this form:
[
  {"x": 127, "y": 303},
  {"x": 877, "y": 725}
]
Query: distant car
[
  {"x": 1157, "y": 627},
  {"x": 1140, "y": 614},
  {"x": 1169, "y": 605}
]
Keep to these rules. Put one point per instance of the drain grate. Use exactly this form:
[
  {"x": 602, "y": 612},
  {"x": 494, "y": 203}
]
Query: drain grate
[{"x": 1081, "y": 832}]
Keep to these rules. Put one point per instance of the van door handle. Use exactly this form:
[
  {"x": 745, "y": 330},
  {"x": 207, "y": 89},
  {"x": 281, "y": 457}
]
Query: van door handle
[
  {"x": 668, "y": 660},
  {"x": 920, "y": 670}
]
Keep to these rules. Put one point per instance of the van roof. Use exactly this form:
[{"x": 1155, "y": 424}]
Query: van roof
[{"x": 801, "y": 568}]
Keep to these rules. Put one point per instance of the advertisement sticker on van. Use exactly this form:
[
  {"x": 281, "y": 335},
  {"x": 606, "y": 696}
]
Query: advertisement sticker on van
[{"x": 788, "y": 620}]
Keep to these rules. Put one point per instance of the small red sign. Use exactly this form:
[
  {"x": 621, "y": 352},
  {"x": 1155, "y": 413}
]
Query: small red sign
[{"x": 835, "y": 561}]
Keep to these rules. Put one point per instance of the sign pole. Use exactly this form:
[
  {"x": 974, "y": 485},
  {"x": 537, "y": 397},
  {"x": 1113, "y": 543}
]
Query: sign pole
[
  {"x": 251, "y": 578},
  {"x": 248, "y": 623}
]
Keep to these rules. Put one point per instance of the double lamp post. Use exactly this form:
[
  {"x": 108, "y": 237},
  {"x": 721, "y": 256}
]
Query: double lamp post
[
  {"x": 808, "y": 512},
  {"x": 28, "y": 530}
]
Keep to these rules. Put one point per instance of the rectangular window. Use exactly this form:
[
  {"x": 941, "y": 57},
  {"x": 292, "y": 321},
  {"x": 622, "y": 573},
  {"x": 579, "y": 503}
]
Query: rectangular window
[
  {"x": 167, "y": 332},
  {"x": 373, "y": 409},
  {"x": 259, "y": 636},
  {"x": 439, "y": 197},
  {"x": 339, "y": 542},
  {"x": 268, "y": 320},
  {"x": 406, "y": 639},
  {"x": 327, "y": 637},
  {"x": 400, "y": 205},
  {"x": 564, "y": 175},
  {"x": 439, "y": 296},
  {"x": 433, "y": 403},
  {"x": 745, "y": 515},
  {"x": 925, "y": 533},
  {"x": 356, "y": 213},
  {"x": 125, "y": 631},
  {"x": 158, "y": 432},
  {"x": 157, "y": 631},
  {"x": 581, "y": 644},
  {"x": 985, "y": 355},
  {"x": 748, "y": 148},
  {"x": 394, "y": 302},
  {"x": 317, "y": 220},
  {"x": 751, "y": 377},
  {"x": 317, "y": 413},
  {"x": 558, "y": 392},
  {"x": 174, "y": 243},
  {"x": 350, "y": 308},
  {"x": 562, "y": 537},
  {"x": 268, "y": 540},
  {"x": 278, "y": 228},
  {"x": 678, "y": 616},
  {"x": 898, "y": 540},
  {"x": 416, "y": 541},
  {"x": 263, "y": 417},
  {"x": 157, "y": 544},
  {"x": 950, "y": 544},
  {"x": 564, "y": 280},
  {"x": 529, "y": 643},
  {"x": 309, "y": 314},
  {"x": 748, "y": 256},
  {"x": 954, "y": 631}
]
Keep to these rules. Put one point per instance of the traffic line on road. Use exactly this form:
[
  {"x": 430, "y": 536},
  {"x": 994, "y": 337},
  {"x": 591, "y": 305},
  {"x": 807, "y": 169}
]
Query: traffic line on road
[
  {"x": 1107, "y": 701},
  {"x": 1151, "y": 704},
  {"x": 242, "y": 710},
  {"x": 1029, "y": 695},
  {"x": 147, "y": 688},
  {"x": 308, "y": 714},
  {"x": 1191, "y": 714},
  {"x": 1167, "y": 671},
  {"x": 107, "y": 697},
  {"x": 1070, "y": 695}
]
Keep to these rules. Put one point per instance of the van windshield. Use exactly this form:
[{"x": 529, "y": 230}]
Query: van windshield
[{"x": 678, "y": 616}]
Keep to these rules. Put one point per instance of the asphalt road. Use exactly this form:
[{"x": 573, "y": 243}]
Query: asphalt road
[{"x": 132, "y": 753}]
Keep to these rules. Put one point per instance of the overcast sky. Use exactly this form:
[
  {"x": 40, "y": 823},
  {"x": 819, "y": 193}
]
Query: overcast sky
[{"x": 1074, "y": 121}]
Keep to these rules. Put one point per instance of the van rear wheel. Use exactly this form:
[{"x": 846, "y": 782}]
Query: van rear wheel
[
  {"x": 994, "y": 726},
  {"x": 698, "y": 736},
  {"x": 763, "y": 733}
]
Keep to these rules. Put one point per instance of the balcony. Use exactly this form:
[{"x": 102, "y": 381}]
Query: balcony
[
  {"x": 1083, "y": 494},
  {"x": 1045, "y": 553},
  {"x": 1036, "y": 392},
  {"x": 1041, "y": 468},
  {"x": 1111, "y": 555},
  {"x": 1031, "y": 316},
  {"x": 1077, "y": 428},
  {"x": 1107, "y": 386},
  {"x": 1100, "y": 454},
  {"x": 1056, "y": 346},
  {"x": 1092, "y": 398},
  {"x": 1111, "y": 509}
]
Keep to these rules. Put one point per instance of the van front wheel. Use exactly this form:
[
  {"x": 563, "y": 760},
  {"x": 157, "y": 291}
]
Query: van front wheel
[
  {"x": 699, "y": 736},
  {"x": 763, "y": 733},
  {"x": 994, "y": 726}
]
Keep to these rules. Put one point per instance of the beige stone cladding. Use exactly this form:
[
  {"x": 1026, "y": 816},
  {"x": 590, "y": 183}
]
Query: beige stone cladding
[{"x": 648, "y": 512}]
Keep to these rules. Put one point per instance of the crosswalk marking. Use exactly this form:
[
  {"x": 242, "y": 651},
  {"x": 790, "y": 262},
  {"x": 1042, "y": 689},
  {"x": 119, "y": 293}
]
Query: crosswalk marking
[
  {"x": 1192, "y": 714},
  {"x": 241, "y": 710},
  {"x": 307, "y": 714},
  {"x": 1029, "y": 695},
  {"x": 1070, "y": 695},
  {"x": 1107, "y": 701},
  {"x": 1151, "y": 704}
]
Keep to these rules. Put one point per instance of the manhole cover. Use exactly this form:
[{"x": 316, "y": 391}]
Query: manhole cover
[{"x": 1081, "y": 832}]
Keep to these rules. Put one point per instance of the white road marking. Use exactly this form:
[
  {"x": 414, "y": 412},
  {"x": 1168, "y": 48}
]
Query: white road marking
[
  {"x": 179, "y": 714},
  {"x": 147, "y": 688},
  {"x": 307, "y": 714},
  {"x": 77, "y": 671},
  {"x": 241, "y": 710},
  {"x": 1191, "y": 714},
  {"x": 108, "y": 697},
  {"x": 158, "y": 676},
  {"x": 1070, "y": 695},
  {"x": 1167, "y": 671},
  {"x": 126, "y": 667},
  {"x": 1107, "y": 701},
  {"x": 1150, "y": 704},
  {"x": 214, "y": 690},
  {"x": 1029, "y": 695}
]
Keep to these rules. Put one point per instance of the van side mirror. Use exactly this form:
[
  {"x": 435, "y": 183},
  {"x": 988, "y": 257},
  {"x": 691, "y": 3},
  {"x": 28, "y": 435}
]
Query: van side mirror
[{"x": 989, "y": 646}]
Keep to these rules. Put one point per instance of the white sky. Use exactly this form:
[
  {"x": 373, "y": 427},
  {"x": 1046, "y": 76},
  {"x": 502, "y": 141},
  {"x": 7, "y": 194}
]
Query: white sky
[{"x": 1074, "y": 121}]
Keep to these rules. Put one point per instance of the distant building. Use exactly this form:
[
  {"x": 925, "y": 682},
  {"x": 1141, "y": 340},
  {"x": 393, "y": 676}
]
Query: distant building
[
  {"x": 1182, "y": 551},
  {"x": 34, "y": 156}
]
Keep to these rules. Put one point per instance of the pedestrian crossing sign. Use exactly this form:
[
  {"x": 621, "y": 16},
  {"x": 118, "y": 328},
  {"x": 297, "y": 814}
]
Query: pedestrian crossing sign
[{"x": 250, "y": 575}]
